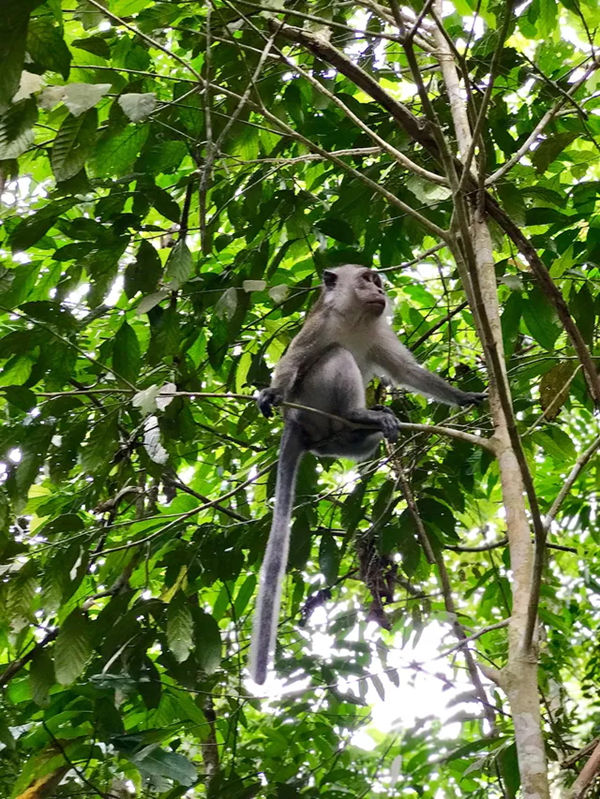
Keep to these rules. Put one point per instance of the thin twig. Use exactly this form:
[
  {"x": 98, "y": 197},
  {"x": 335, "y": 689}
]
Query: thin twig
[
  {"x": 477, "y": 130},
  {"x": 576, "y": 470},
  {"x": 470, "y": 638},
  {"x": 69, "y": 343},
  {"x": 478, "y": 441},
  {"x": 548, "y": 116},
  {"x": 185, "y": 64},
  {"x": 75, "y": 768},
  {"x": 435, "y": 556},
  {"x": 211, "y": 504}
]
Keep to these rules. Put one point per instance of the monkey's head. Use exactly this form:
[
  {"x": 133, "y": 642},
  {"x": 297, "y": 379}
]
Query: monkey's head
[{"x": 353, "y": 289}]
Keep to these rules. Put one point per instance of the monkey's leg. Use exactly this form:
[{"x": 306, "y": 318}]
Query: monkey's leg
[{"x": 383, "y": 420}]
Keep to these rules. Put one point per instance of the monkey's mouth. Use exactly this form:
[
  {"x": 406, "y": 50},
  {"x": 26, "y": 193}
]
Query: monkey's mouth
[{"x": 379, "y": 303}]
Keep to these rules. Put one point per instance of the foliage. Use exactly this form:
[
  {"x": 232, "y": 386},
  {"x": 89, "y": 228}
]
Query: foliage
[{"x": 161, "y": 239}]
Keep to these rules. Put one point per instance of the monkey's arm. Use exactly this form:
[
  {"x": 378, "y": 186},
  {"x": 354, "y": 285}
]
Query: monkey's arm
[
  {"x": 302, "y": 354},
  {"x": 398, "y": 363}
]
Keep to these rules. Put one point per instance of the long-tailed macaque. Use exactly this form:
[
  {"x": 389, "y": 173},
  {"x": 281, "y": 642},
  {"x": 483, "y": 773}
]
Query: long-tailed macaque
[{"x": 345, "y": 341}]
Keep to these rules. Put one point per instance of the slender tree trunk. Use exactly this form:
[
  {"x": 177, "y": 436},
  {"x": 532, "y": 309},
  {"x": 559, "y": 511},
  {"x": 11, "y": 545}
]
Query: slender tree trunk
[{"x": 519, "y": 677}]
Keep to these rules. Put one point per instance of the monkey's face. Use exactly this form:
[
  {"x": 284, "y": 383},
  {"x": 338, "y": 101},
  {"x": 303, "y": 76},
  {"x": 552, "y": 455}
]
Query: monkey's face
[{"x": 354, "y": 290}]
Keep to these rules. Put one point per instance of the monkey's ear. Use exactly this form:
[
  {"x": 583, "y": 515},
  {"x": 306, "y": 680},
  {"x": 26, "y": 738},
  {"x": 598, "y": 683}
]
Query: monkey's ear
[{"x": 329, "y": 278}]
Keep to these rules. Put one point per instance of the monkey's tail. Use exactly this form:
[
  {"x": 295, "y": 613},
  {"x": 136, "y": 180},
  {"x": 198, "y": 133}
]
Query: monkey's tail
[{"x": 266, "y": 614}]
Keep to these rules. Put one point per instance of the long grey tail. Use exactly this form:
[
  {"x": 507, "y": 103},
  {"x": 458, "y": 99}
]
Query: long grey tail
[{"x": 266, "y": 614}]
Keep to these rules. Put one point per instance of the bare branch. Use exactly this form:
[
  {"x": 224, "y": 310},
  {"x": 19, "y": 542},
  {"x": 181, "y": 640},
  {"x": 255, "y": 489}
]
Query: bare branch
[
  {"x": 148, "y": 39},
  {"x": 587, "y": 775},
  {"x": 579, "y": 465},
  {"x": 548, "y": 116},
  {"x": 449, "y": 603},
  {"x": 477, "y": 130},
  {"x": 478, "y": 441},
  {"x": 473, "y": 637},
  {"x": 16, "y": 665},
  {"x": 182, "y": 517}
]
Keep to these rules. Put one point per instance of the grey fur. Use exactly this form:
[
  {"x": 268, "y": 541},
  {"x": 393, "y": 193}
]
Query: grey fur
[{"x": 344, "y": 342}]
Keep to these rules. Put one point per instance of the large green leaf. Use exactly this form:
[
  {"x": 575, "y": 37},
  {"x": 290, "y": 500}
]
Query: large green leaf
[
  {"x": 74, "y": 144},
  {"x": 126, "y": 353},
  {"x": 16, "y": 128},
  {"x": 73, "y": 647},
  {"x": 47, "y": 47},
  {"x": 180, "y": 627}
]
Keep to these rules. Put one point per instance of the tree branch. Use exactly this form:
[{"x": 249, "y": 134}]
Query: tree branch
[
  {"x": 587, "y": 775},
  {"x": 578, "y": 467},
  {"x": 424, "y": 136},
  {"x": 548, "y": 116},
  {"x": 436, "y": 557},
  {"x": 478, "y": 441}
]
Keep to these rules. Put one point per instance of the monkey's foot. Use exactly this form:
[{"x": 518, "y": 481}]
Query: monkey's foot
[
  {"x": 387, "y": 421},
  {"x": 267, "y": 399}
]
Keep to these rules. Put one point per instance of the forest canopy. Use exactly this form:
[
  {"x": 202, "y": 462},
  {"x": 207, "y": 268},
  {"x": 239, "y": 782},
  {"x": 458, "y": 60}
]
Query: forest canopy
[{"x": 175, "y": 178}]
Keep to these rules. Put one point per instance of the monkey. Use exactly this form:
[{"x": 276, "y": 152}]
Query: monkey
[{"x": 344, "y": 342}]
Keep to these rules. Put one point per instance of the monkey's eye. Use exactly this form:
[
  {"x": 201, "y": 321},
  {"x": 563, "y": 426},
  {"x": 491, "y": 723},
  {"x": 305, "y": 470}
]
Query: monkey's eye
[{"x": 372, "y": 277}]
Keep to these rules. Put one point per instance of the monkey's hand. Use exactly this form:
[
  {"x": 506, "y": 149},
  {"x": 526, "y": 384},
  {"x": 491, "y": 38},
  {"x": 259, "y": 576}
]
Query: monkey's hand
[
  {"x": 472, "y": 398},
  {"x": 267, "y": 399},
  {"x": 388, "y": 422}
]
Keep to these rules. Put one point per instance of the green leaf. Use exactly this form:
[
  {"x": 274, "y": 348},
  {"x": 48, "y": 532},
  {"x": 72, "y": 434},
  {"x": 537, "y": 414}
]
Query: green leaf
[
  {"x": 337, "y": 229},
  {"x": 550, "y": 149},
  {"x": 73, "y": 647},
  {"x": 180, "y": 627},
  {"x": 93, "y": 44},
  {"x": 179, "y": 265},
  {"x": 352, "y": 509},
  {"x": 547, "y": 18},
  {"x": 581, "y": 306},
  {"x": 123, "y": 8},
  {"x": 540, "y": 319},
  {"x": 126, "y": 356},
  {"x": 34, "y": 450},
  {"x": 19, "y": 598},
  {"x": 556, "y": 443},
  {"x": 116, "y": 152},
  {"x": 13, "y": 36},
  {"x": 329, "y": 558},
  {"x": 562, "y": 263},
  {"x": 513, "y": 201},
  {"x": 244, "y": 594},
  {"x": 208, "y": 642},
  {"x": 32, "y": 228},
  {"x": 164, "y": 337},
  {"x": 153, "y": 762},
  {"x": 74, "y": 144},
  {"x": 46, "y": 46},
  {"x": 52, "y": 314},
  {"x": 383, "y": 504},
  {"x": 22, "y": 398},
  {"x": 41, "y": 677},
  {"x": 100, "y": 446},
  {"x": 16, "y": 128},
  {"x": 163, "y": 202},
  {"x": 511, "y": 317}
]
